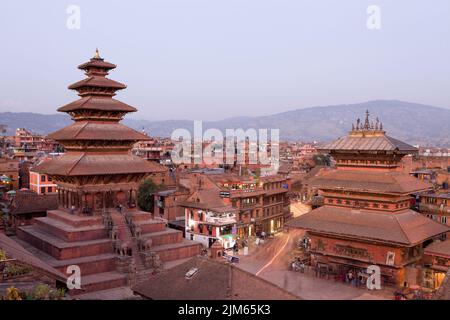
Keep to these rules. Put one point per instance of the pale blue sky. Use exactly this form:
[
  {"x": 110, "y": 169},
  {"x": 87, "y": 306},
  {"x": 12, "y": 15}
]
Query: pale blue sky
[{"x": 211, "y": 59}]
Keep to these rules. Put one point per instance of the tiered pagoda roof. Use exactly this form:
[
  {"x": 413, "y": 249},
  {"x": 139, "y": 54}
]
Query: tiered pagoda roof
[
  {"x": 367, "y": 196},
  {"x": 404, "y": 228},
  {"x": 90, "y": 130},
  {"x": 97, "y": 143},
  {"x": 368, "y": 137},
  {"x": 375, "y": 141},
  {"x": 82, "y": 164},
  {"x": 97, "y": 103},
  {"x": 370, "y": 181}
]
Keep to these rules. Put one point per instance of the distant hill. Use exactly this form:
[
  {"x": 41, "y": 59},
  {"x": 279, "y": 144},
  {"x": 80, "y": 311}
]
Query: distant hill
[{"x": 411, "y": 122}]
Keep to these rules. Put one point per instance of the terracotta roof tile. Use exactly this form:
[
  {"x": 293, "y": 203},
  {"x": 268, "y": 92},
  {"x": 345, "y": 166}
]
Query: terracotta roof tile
[
  {"x": 98, "y": 81},
  {"x": 98, "y": 63},
  {"x": 368, "y": 143},
  {"x": 439, "y": 248},
  {"x": 80, "y": 163},
  {"x": 389, "y": 182},
  {"x": 207, "y": 199},
  {"x": 407, "y": 227},
  {"x": 215, "y": 280},
  {"x": 92, "y": 130},
  {"x": 97, "y": 103},
  {"x": 30, "y": 202}
]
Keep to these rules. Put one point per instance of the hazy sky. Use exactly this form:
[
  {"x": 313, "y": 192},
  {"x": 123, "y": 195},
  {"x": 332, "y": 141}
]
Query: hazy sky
[{"x": 211, "y": 59}]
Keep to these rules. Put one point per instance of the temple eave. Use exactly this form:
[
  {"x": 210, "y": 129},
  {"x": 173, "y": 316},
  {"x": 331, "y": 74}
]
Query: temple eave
[{"x": 404, "y": 228}]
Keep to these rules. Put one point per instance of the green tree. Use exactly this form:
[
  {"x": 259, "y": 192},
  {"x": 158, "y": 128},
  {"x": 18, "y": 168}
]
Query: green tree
[
  {"x": 146, "y": 192},
  {"x": 322, "y": 160}
]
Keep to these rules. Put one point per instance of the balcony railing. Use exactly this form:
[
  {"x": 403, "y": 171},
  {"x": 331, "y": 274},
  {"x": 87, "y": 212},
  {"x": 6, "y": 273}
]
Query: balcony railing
[
  {"x": 249, "y": 205},
  {"x": 221, "y": 220}
]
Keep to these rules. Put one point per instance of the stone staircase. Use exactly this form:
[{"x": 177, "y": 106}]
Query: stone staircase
[
  {"x": 155, "y": 239},
  {"x": 112, "y": 250},
  {"x": 125, "y": 236}
]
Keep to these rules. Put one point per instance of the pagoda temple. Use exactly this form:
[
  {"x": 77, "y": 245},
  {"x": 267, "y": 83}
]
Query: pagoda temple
[
  {"x": 366, "y": 217},
  {"x": 97, "y": 225},
  {"x": 98, "y": 170}
]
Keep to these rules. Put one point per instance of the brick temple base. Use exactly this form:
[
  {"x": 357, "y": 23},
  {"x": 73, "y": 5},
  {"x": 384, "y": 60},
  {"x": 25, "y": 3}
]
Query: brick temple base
[{"x": 62, "y": 239}]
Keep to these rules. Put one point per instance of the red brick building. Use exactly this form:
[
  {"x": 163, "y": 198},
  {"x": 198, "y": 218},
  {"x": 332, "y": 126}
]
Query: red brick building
[
  {"x": 436, "y": 206},
  {"x": 42, "y": 183},
  {"x": 166, "y": 203},
  {"x": 366, "y": 217},
  {"x": 208, "y": 218},
  {"x": 260, "y": 204}
]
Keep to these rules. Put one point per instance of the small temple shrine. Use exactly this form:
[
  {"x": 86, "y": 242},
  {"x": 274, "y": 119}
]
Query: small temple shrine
[
  {"x": 97, "y": 225},
  {"x": 366, "y": 217}
]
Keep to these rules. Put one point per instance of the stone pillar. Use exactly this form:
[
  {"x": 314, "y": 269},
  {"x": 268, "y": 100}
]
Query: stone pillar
[
  {"x": 130, "y": 198},
  {"x": 93, "y": 202},
  {"x": 70, "y": 199},
  {"x": 65, "y": 198}
]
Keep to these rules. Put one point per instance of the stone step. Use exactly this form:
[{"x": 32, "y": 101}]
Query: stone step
[
  {"x": 176, "y": 251},
  {"x": 141, "y": 216},
  {"x": 167, "y": 236},
  {"x": 150, "y": 226},
  {"x": 61, "y": 249},
  {"x": 74, "y": 220},
  {"x": 100, "y": 281},
  {"x": 70, "y": 233},
  {"x": 88, "y": 265}
]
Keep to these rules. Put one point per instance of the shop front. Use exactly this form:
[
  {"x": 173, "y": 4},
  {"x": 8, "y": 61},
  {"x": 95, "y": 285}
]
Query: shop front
[
  {"x": 228, "y": 241},
  {"x": 272, "y": 225},
  {"x": 433, "y": 278}
]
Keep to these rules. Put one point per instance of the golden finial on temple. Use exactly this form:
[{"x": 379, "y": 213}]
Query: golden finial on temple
[{"x": 97, "y": 54}]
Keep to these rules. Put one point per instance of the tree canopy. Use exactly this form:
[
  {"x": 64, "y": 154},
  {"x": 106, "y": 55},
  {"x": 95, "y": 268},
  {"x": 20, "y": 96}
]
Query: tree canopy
[{"x": 146, "y": 192}]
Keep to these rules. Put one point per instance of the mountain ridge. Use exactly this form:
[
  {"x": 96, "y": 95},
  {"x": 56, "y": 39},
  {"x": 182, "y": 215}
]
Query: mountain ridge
[{"x": 414, "y": 123}]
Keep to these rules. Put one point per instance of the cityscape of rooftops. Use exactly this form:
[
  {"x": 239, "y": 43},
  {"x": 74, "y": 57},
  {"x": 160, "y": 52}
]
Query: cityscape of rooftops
[{"x": 240, "y": 152}]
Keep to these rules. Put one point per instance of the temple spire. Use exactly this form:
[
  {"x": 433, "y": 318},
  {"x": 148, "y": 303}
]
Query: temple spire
[
  {"x": 366, "y": 122},
  {"x": 367, "y": 126},
  {"x": 97, "y": 54}
]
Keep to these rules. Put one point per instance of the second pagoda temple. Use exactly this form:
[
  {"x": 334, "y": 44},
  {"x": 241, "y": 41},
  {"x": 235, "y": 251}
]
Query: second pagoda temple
[{"x": 366, "y": 217}]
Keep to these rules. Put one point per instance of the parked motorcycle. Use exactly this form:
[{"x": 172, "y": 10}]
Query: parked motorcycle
[{"x": 298, "y": 266}]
